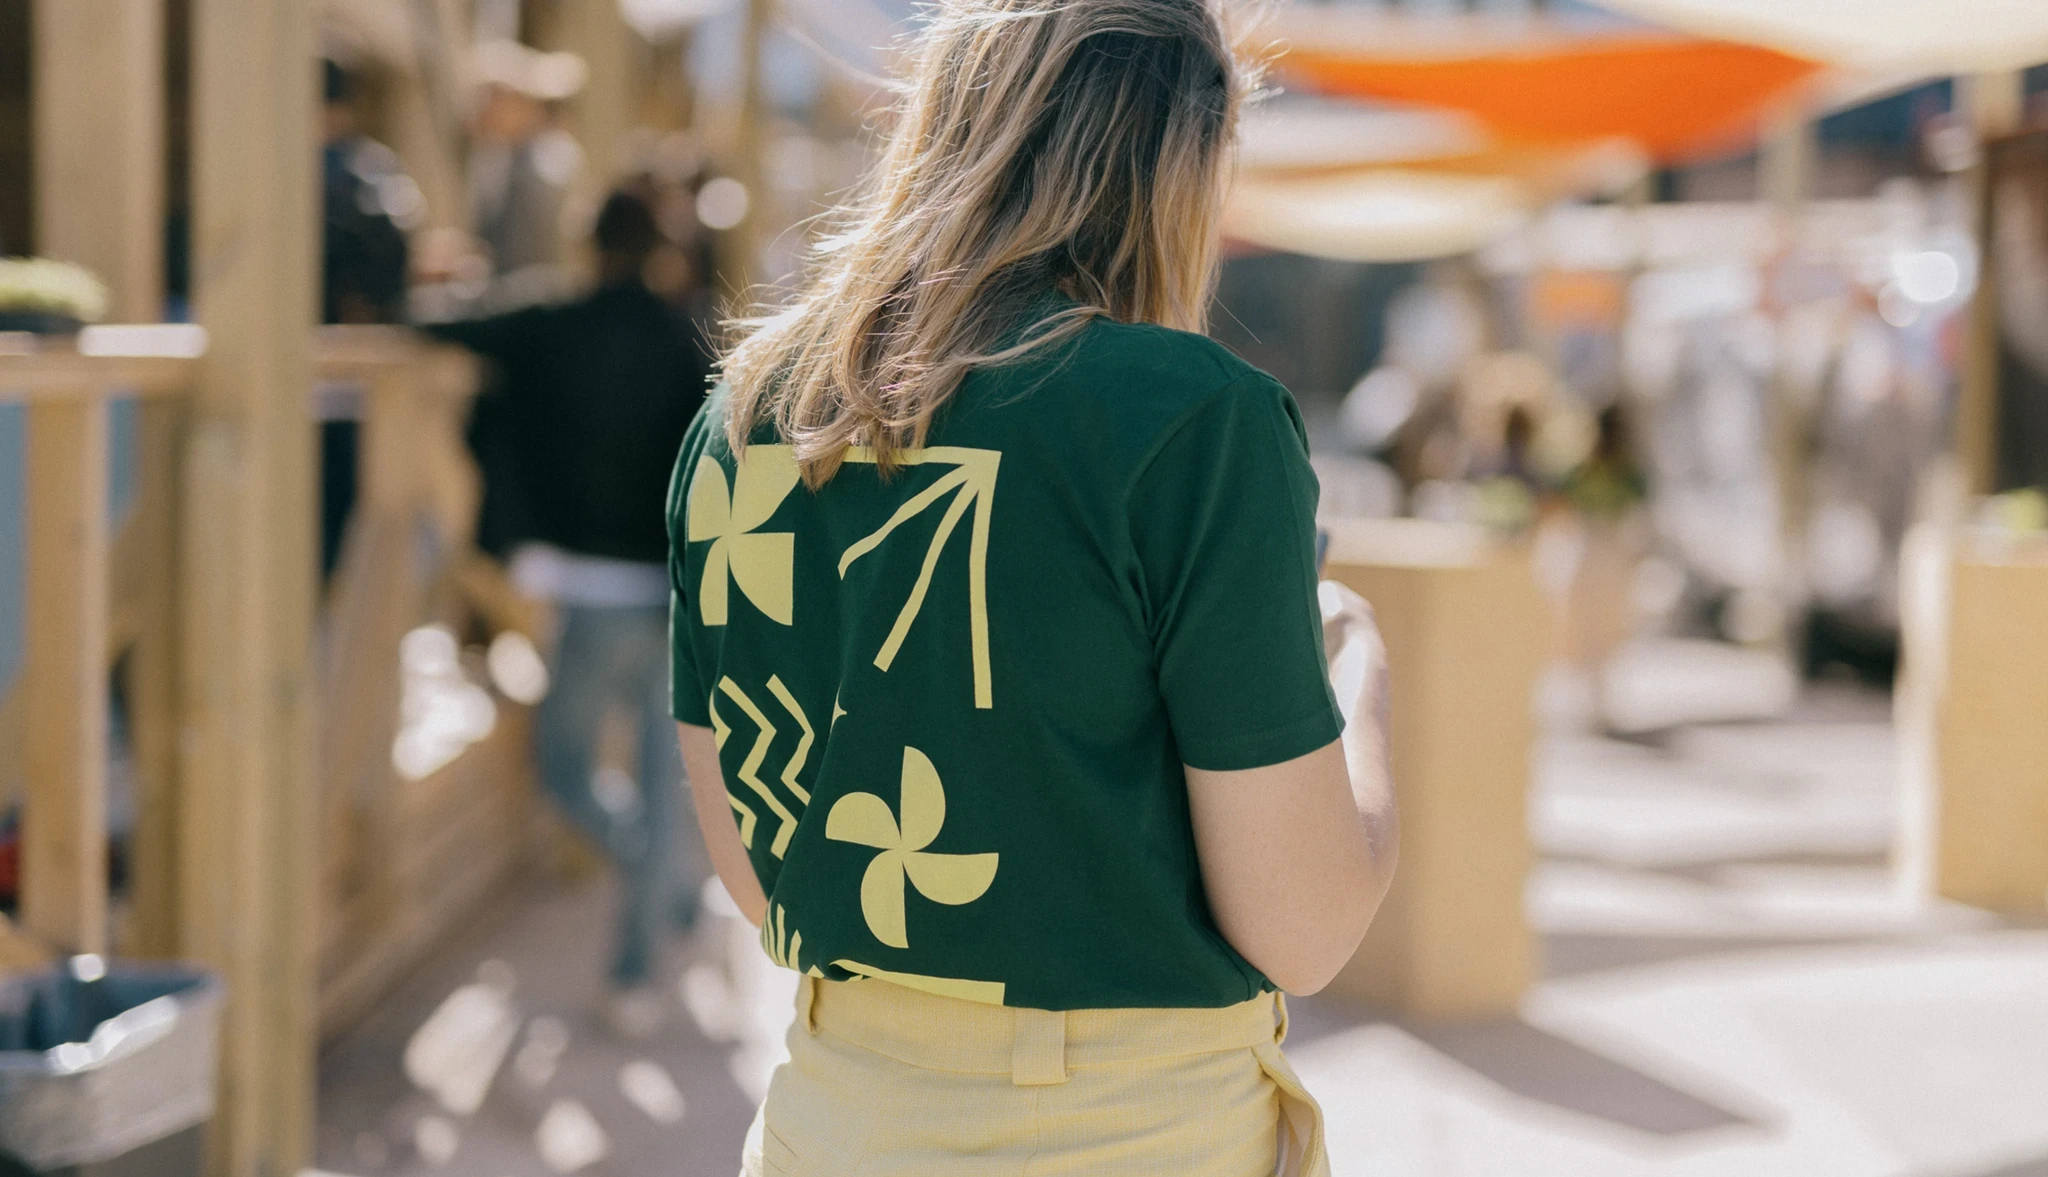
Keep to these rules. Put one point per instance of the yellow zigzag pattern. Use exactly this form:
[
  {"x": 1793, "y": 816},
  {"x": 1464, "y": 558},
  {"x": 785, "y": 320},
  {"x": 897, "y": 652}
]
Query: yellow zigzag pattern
[
  {"x": 750, "y": 771},
  {"x": 721, "y": 731},
  {"x": 803, "y": 746}
]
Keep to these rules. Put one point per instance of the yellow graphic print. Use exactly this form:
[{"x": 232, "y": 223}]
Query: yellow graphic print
[
  {"x": 721, "y": 731},
  {"x": 803, "y": 746},
  {"x": 783, "y": 945},
  {"x": 750, "y": 770},
  {"x": 761, "y": 564},
  {"x": 972, "y": 483},
  {"x": 864, "y": 819}
]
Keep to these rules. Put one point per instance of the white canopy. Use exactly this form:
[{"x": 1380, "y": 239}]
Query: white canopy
[
  {"x": 1922, "y": 36},
  {"x": 1380, "y": 215}
]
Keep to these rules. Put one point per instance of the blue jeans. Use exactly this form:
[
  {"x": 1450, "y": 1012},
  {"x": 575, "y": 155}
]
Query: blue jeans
[{"x": 614, "y": 660}]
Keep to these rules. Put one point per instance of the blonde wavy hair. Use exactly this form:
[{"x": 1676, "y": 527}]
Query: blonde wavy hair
[{"x": 1071, "y": 145}]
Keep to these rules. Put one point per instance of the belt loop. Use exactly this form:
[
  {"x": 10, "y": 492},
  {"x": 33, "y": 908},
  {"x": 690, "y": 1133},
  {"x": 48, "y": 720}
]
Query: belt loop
[
  {"x": 807, "y": 1003},
  {"x": 1038, "y": 1050},
  {"x": 1280, "y": 1014}
]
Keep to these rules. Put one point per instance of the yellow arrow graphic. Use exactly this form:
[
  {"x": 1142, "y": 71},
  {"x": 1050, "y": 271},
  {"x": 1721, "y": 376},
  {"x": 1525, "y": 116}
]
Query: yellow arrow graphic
[{"x": 972, "y": 484}]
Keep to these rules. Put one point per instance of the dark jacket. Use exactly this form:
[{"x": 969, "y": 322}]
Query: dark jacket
[{"x": 580, "y": 429}]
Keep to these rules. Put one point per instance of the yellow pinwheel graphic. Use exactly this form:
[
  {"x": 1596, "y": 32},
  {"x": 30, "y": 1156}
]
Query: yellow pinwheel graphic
[
  {"x": 761, "y": 564},
  {"x": 864, "y": 819}
]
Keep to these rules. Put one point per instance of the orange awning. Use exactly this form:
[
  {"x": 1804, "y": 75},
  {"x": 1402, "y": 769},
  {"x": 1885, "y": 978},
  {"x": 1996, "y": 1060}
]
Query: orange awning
[{"x": 1676, "y": 97}]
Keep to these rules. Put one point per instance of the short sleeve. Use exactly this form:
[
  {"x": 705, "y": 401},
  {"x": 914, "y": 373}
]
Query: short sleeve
[
  {"x": 689, "y": 701},
  {"x": 1223, "y": 525}
]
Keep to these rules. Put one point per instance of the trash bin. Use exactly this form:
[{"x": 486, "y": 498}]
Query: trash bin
[{"x": 107, "y": 1070}]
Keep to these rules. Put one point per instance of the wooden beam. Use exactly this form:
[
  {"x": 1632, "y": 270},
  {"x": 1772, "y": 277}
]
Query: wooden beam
[
  {"x": 1785, "y": 171},
  {"x": 152, "y": 679},
  {"x": 64, "y": 828},
  {"x": 98, "y": 114},
  {"x": 248, "y": 835},
  {"x": 99, "y": 144},
  {"x": 751, "y": 238},
  {"x": 1994, "y": 104},
  {"x": 421, "y": 111},
  {"x": 604, "y": 111},
  {"x": 99, "y": 199},
  {"x": 377, "y": 599},
  {"x": 149, "y": 360}
]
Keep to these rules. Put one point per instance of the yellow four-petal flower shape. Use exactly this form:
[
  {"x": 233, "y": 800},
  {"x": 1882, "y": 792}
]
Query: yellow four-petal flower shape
[
  {"x": 865, "y": 819},
  {"x": 761, "y": 564}
]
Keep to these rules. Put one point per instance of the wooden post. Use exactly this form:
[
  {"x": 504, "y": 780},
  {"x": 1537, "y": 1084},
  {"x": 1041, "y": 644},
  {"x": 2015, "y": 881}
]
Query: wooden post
[
  {"x": 604, "y": 111},
  {"x": 1466, "y": 632},
  {"x": 99, "y": 129},
  {"x": 1991, "y": 827},
  {"x": 151, "y": 543},
  {"x": 1785, "y": 168},
  {"x": 64, "y": 830},
  {"x": 421, "y": 116},
  {"x": 745, "y": 244},
  {"x": 376, "y": 600},
  {"x": 248, "y": 835},
  {"x": 99, "y": 123},
  {"x": 1994, "y": 103}
]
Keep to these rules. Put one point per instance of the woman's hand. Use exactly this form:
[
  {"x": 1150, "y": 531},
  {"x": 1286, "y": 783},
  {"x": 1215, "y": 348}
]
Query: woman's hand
[{"x": 1358, "y": 675}]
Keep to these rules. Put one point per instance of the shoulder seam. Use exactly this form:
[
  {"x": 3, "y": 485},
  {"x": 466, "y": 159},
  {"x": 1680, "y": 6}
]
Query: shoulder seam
[{"x": 1187, "y": 418}]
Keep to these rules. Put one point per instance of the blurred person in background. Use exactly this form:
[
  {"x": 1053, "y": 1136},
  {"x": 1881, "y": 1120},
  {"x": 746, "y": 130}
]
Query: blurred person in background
[
  {"x": 593, "y": 398},
  {"x": 1606, "y": 493},
  {"x": 522, "y": 164},
  {"x": 367, "y": 205},
  {"x": 1511, "y": 492},
  {"x": 1036, "y": 565},
  {"x": 521, "y": 167}
]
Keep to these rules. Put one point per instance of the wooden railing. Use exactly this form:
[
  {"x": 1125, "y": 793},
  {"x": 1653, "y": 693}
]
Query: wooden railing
[
  {"x": 70, "y": 574},
  {"x": 402, "y": 861}
]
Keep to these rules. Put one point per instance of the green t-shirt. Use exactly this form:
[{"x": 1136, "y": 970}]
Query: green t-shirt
[{"x": 953, "y": 706}]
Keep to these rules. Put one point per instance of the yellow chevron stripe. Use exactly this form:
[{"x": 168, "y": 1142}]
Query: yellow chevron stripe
[
  {"x": 721, "y": 731},
  {"x": 751, "y": 769},
  {"x": 747, "y": 820},
  {"x": 803, "y": 746}
]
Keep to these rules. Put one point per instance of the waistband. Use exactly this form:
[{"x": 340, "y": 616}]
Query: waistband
[{"x": 1032, "y": 1046}]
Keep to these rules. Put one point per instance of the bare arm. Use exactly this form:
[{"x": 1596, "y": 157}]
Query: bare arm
[
  {"x": 1296, "y": 857},
  {"x": 714, "y": 817}
]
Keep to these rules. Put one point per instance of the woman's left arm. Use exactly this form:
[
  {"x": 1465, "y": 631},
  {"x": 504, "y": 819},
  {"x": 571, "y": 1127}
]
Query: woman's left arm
[{"x": 714, "y": 817}]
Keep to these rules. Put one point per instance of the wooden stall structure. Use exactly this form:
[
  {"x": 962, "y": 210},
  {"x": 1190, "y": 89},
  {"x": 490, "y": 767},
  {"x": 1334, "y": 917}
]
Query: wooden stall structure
[
  {"x": 69, "y": 566},
  {"x": 400, "y": 861},
  {"x": 1971, "y": 698},
  {"x": 1466, "y": 632}
]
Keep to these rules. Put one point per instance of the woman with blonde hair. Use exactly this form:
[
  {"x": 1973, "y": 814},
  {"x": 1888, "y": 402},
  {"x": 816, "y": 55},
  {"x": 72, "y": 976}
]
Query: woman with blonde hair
[{"x": 998, "y": 658}]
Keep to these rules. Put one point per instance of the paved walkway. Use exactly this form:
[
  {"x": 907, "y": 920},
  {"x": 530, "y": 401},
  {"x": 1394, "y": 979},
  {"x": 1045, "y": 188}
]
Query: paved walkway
[{"x": 1735, "y": 988}]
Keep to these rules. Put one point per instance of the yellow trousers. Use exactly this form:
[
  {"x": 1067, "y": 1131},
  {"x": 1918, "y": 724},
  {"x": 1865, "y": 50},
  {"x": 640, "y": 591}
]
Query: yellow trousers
[{"x": 885, "y": 1081}]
